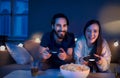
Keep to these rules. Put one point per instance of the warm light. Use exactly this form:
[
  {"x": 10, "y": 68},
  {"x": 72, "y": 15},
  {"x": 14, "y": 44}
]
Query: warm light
[
  {"x": 37, "y": 37},
  {"x": 37, "y": 40},
  {"x": 2, "y": 48},
  {"x": 20, "y": 45},
  {"x": 109, "y": 17},
  {"x": 116, "y": 43}
]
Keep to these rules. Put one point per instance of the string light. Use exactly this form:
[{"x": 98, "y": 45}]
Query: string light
[
  {"x": 20, "y": 45},
  {"x": 2, "y": 48},
  {"x": 116, "y": 43},
  {"x": 75, "y": 39}
]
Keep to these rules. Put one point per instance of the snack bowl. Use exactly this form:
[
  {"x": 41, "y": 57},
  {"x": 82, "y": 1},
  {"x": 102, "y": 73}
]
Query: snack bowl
[{"x": 74, "y": 71}]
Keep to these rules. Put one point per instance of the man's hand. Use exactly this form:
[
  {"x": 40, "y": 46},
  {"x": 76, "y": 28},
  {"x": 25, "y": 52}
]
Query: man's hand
[
  {"x": 46, "y": 54},
  {"x": 62, "y": 54}
]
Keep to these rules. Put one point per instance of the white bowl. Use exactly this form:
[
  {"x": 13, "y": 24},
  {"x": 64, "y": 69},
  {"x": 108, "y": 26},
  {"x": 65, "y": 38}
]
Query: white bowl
[{"x": 75, "y": 74}]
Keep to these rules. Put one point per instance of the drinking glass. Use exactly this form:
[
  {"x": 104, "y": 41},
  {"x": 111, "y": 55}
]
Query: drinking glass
[{"x": 34, "y": 68}]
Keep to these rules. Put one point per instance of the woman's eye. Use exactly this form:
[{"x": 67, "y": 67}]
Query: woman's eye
[
  {"x": 88, "y": 30},
  {"x": 95, "y": 31}
]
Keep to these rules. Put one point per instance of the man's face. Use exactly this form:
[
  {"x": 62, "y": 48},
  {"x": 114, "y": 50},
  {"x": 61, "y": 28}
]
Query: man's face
[
  {"x": 92, "y": 33},
  {"x": 60, "y": 27}
]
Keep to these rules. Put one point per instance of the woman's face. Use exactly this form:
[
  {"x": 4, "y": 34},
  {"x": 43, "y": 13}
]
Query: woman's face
[{"x": 92, "y": 33}]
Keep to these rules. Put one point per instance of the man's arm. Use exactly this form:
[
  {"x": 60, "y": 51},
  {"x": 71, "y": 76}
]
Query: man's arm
[
  {"x": 44, "y": 54},
  {"x": 70, "y": 50}
]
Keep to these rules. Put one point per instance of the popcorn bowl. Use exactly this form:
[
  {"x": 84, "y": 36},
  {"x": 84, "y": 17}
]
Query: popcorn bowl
[{"x": 74, "y": 71}]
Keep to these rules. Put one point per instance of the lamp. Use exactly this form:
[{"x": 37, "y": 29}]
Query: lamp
[
  {"x": 37, "y": 40},
  {"x": 37, "y": 37}
]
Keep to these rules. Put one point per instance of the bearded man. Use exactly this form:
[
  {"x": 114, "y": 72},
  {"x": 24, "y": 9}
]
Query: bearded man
[{"x": 56, "y": 47}]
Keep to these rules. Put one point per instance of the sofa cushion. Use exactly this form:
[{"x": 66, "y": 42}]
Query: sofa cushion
[{"x": 19, "y": 54}]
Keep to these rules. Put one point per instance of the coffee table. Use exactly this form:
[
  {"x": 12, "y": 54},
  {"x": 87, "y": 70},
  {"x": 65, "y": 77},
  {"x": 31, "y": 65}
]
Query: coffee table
[{"x": 52, "y": 73}]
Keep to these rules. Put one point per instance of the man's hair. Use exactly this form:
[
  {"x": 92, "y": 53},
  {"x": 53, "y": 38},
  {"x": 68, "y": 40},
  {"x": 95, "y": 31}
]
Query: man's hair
[{"x": 59, "y": 15}]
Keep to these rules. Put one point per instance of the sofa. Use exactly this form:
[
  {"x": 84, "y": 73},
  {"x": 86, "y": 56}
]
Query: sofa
[
  {"x": 115, "y": 58},
  {"x": 8, "y": 64}
]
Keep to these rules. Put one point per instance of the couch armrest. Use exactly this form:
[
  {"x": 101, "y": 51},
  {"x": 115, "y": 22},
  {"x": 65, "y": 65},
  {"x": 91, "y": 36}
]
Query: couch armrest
[
  {"x": 115, "y": 67},
  {"x": 5, "y": 58}
]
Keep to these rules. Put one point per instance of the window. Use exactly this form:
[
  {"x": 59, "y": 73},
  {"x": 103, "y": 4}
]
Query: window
[{"x": 14, "y": 19}]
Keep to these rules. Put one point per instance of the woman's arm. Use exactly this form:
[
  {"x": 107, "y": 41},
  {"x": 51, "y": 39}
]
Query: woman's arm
[
  {"x": 77, "y": 52},
  {"x": 105, "y": 58}
]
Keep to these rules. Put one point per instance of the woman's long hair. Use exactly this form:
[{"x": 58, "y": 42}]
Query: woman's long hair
[{"x": 98, "y": 43}]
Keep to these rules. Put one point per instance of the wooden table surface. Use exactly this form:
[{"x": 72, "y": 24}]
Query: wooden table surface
[{"x": 52, "y": 73}]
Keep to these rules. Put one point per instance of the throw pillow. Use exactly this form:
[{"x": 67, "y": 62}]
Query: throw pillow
[{"x": 19, "y": 54}]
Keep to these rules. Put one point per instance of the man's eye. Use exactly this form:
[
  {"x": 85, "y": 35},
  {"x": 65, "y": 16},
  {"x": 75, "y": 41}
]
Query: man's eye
[
  {"x": 65, "y": 25},
  {"x": 57, "y": 25}
]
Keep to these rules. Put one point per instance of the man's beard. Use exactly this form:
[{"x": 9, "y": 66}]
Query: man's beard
[{"x": 61, "y": 36}]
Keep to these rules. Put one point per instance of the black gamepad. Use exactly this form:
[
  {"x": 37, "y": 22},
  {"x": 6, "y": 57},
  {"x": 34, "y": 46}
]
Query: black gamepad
[
  {"x": 52, "y": 52},
  {"x": 90, "y": 58}
]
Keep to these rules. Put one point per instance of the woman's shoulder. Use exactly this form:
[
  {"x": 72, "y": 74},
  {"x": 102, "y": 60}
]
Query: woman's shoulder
[
  {"x": 81, "y": 39},
  {"x": 105, "y": 42}
]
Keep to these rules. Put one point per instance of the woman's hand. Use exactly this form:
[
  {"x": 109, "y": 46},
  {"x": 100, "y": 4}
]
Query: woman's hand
[
  {"x": 85, "y": 62},
  {"x": 100, "y": 61},
  {"x": 82, "y": 61},
  {"x": 62, "y": 54}
]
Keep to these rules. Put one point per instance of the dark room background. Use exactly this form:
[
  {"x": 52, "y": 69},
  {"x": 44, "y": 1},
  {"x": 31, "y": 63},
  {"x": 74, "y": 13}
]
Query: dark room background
[
  {"x": 78, "y": 12},
  {"x": 22, "y": 19}
]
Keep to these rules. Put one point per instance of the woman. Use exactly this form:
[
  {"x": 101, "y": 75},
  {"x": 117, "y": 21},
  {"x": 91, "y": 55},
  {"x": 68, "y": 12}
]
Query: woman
[{"x": 92, "y": 47}]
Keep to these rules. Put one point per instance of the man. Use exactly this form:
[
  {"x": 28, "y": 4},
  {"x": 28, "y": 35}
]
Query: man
[{"x": 56, "y": 47}]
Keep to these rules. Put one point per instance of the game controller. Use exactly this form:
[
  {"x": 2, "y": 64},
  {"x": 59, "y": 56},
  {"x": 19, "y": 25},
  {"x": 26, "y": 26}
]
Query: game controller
[
  {"x": 90, "y": 58},
  {"x": 51, "y": 52},
  {"x": 54, "y": 52}
]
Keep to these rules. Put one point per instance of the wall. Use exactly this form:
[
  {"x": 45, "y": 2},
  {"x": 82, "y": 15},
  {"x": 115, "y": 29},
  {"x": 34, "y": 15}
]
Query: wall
[{"x": 78, "y": 12}]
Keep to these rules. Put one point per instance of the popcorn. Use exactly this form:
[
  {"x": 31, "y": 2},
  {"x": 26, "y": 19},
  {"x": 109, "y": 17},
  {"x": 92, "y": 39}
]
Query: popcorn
[{"x": 74, "y": 67}]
